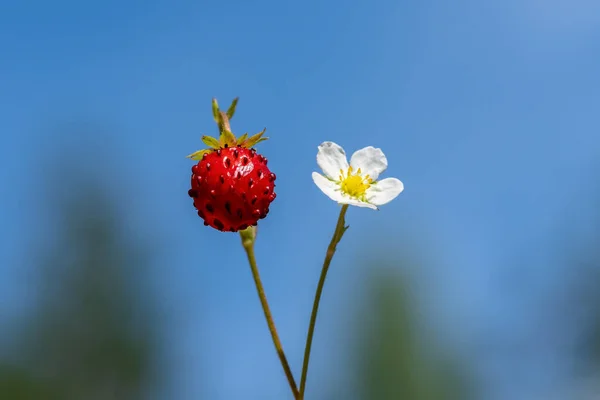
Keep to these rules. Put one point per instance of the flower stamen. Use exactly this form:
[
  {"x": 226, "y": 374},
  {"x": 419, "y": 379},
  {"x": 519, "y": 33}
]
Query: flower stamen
[{"x": 354, "y": 185}]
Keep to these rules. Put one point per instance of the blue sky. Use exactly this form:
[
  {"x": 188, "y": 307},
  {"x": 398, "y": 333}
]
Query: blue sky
[{"x": 486, "y": 110}]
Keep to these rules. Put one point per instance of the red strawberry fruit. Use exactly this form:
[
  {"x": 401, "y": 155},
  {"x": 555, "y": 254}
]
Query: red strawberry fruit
[{"x": 232, "y": 186}]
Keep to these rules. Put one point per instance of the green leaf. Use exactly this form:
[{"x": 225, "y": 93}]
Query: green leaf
[
  {"x": 231, "y": 109},
  {"x": 227, "y": 138},
  {"x": 242, "y": 138},
  {"x": 216, "y": 112},
  {"x": 211, "y": 142},
  {"x": 197, "y": 155},
  {"x": 253, "y": 140}
]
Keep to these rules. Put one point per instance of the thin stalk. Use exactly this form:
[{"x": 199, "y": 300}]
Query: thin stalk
[
  {"x": 249, "y": 247},
  {"x": 340, "y": 228}
]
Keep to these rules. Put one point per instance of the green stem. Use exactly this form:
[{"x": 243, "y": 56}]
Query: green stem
[
  {"x": 340, "y": 228},
  {"x": 249, "y": 247}
]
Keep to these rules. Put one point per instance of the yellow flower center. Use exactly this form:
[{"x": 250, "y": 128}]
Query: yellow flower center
[{"x": 354, "y": 185}]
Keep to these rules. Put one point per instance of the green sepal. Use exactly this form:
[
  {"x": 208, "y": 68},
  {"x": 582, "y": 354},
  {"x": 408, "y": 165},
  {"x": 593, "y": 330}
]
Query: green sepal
[
  {"x": 216, "y": 112},
  {"x": 197, "y": 155},
  {"x": 231, "y": 109},
  {"x": 253, "y": 140},
  {"x": 227, "y": 138},
  {"x": 242, "y": 138},
  {"x": 211, "y": 142}
]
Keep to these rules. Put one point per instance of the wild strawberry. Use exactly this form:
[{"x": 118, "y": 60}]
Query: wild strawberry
[{"x": 232, "y": 186}]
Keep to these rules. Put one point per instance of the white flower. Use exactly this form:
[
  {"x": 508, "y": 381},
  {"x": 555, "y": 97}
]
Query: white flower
[{"x": 355, "y": 184}]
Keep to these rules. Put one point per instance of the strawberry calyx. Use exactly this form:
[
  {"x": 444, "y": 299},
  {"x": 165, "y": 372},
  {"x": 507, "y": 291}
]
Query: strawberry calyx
[{"x": 226, "y": 137}]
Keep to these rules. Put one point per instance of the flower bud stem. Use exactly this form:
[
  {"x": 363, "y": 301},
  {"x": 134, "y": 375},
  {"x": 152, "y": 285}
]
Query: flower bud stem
[{"x": 340, "y": 228}]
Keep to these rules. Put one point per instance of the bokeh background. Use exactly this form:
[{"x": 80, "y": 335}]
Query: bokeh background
[{"x": 479, "y": 282}]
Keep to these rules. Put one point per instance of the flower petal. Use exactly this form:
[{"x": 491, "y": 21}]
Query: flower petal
[
  {"x": 358, "y": 203},
  {"x": 370, "y": 160},
  {"x": 331, "y": 158},
  {"x": 330, "y": 188},
  {"x": 384, "y": 191}
]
